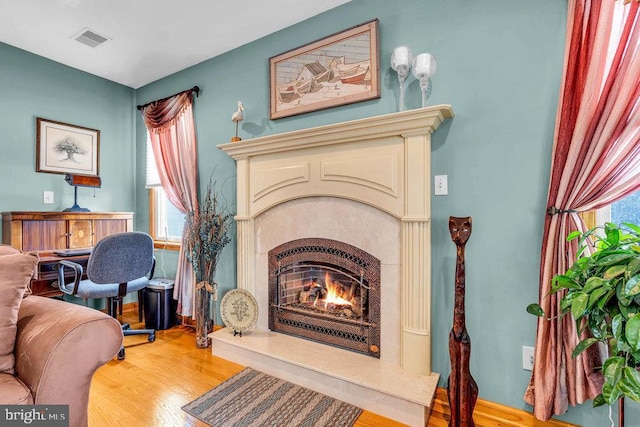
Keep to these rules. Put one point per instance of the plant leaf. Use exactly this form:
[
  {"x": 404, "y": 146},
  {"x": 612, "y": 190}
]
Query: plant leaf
[
  {"x": 598, "y": 329},
  {"x": 623, "y": 299},
  {"x": 629, "y": 384},
  {"x": 567, "y": 300},
  {"x": 614, "y": 258},
  {"x": 599, "y": 401},
  {"x": 603, "y": 301},
  {"x": 535, "y": 309},
  {"x": 573, "y": 235},
  {"x": 595, "y": 296},
  {"x": 632, "y": 287},
  {"x": 579, "y": 305},
  {"x": 612, "y": 372},
  {"x": 627, "y": 311},
  {"x": 633, "y": 227},
  {"x": 614, "y": 271},
  {"x": 583, "y": 345},
  {"x": 594, "y": 282},
  {"x": 613, "y": 234},
  {"x": 632, "y": 332},
  {"x": 617, "y": 325},
  {"x": 621, "y": 346},
  {"x": 611, "y": 393},
  {"x": 563, "y": 282},
  {"x": 633, "y": 267}
]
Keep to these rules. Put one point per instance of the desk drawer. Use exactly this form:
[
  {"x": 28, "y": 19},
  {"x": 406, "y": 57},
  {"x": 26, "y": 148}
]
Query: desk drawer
[{"x": 45, "y": 288}]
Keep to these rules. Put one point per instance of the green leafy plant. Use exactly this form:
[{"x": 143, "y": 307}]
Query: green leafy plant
[{"x": 603, "y": 296}]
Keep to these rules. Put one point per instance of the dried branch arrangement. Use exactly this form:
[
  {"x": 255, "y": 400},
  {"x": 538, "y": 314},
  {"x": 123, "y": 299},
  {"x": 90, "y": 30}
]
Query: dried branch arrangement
[{"x": 207, "y": 234}]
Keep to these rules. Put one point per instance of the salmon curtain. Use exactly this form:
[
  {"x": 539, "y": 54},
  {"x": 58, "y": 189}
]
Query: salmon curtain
[
  {"x": 595, "y": 162},
  {"x": 173, "y": 141}
]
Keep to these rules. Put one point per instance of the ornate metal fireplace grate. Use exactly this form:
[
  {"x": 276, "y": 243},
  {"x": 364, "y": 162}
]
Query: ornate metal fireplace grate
[{"x": 291, "y": 267}]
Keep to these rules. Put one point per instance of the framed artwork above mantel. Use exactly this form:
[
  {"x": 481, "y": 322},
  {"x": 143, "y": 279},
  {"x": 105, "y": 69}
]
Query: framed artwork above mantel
[
  {"x": 67, "y": 149},
  {"x": 339, "y": 69}
]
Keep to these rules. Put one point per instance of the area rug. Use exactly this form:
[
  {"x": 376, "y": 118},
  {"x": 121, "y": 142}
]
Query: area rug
[{"x": 255, "y": 399}]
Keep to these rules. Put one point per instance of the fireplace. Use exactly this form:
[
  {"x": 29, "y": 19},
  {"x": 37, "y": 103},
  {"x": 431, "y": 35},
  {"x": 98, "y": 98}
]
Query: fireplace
[
  {"x": 304, "y": 197},
  {"x": 326, "y": 291}
]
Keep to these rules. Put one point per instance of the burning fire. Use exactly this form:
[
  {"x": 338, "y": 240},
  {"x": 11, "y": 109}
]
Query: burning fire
[{"x": 333, "y": 292}]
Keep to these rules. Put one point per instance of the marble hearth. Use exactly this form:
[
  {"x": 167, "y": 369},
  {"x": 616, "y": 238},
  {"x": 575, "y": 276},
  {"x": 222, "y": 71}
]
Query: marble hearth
[{"x": 366, "y": 183}]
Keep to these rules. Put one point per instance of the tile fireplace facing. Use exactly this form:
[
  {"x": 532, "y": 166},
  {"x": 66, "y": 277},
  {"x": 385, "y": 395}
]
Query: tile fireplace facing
[{"x": 344, "y": 210}]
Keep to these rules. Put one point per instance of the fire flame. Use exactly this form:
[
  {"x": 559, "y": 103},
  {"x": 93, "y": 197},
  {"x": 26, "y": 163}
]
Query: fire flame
[{"x": 332, "y": 292}]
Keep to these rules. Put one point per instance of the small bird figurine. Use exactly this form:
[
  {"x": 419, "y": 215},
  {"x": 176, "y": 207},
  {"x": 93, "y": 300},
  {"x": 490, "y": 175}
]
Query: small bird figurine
[{"x": 237, "y": 117}]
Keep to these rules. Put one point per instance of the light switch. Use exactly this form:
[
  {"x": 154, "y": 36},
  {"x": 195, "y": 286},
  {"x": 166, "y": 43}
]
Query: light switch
[
  {"x": 47, "y": 197},
  {"x": 440, "y": 184}
]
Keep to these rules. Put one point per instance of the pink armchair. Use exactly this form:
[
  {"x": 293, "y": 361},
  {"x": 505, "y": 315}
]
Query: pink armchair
[{"x": 59, "y": 346}]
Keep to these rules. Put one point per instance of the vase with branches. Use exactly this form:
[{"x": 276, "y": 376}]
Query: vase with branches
[{"x": 207, "y": 234}]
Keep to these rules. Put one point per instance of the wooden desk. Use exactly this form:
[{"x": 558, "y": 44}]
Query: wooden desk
[
  {"x": 45, "y": 278},
  {"x": 47, "y": 231}
]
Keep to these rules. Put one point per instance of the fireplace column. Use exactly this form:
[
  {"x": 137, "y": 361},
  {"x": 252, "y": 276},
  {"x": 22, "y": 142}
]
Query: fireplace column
[
  {"x": 245, "y": 230},
  {"x": 246, "y": 261},
  {"x": 416, "y": 256}
]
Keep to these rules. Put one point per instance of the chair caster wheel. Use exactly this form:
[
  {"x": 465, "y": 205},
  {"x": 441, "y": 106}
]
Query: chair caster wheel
[
  {"x": 121, "y": 354},
  {"x": 152, "y": 337}
]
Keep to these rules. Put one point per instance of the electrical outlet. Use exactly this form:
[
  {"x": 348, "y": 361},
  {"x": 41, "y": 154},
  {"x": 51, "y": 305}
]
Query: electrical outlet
[
  {"x": 440, "y": 184},
  {"x": 47, "y": 197},
  {"x": 528, "y": 354}
]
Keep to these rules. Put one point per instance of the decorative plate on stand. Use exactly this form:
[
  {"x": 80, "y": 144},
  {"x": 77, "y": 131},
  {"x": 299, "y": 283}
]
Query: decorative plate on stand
[{"x": 239, "y": 310}]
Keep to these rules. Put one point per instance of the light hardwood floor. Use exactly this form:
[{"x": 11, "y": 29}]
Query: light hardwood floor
[{"x": 156, "y": 379}]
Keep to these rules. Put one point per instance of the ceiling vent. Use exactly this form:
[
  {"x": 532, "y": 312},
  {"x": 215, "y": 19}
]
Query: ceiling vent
[{"x": 89, "y": 37}]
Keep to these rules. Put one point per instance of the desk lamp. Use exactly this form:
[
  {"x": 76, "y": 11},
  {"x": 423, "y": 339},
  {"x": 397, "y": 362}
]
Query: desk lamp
[{"x": 80, "y": 181}]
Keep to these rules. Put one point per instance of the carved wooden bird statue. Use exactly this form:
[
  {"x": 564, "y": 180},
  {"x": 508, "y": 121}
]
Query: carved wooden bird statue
[{"x": 237, "y": 117}]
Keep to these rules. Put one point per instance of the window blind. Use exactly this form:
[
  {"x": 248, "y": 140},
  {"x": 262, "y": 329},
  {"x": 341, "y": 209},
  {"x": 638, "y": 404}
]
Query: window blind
[{"x": 152, "y": 179}]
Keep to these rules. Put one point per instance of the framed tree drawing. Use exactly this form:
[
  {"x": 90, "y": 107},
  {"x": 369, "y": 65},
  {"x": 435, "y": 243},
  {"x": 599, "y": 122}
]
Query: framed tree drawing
[
  {"x": 64, "y": 148},
  {"x": 336, "y": 70}
]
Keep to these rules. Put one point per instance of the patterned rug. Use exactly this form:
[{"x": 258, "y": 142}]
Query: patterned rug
[{"x": 254, "y": 399}]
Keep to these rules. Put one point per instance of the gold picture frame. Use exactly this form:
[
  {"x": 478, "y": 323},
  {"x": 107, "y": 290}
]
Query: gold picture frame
[
  {"x": 63, "y": 148},
  {"x": 339, "y": 69}
]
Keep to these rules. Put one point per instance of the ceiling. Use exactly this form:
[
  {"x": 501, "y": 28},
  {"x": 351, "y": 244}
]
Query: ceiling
[{"x": 147, "y": 39}]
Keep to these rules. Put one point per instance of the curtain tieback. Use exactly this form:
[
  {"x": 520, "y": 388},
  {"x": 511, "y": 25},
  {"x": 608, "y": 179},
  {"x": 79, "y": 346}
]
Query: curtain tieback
[{"x": 552, "y": 210}]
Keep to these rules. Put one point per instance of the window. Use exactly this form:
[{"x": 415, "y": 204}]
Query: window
[
  {"x": 165, "y": 221},
  {"x": 626, "y": 210}
]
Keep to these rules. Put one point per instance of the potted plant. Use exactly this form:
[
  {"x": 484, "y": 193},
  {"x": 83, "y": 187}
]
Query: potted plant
[
  {"x": 207, "y": 233},
  {"x": 603, "y": 296}
]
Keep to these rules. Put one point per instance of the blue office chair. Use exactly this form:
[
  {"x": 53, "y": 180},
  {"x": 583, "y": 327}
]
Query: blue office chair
[{"x": 119, "y": 264}]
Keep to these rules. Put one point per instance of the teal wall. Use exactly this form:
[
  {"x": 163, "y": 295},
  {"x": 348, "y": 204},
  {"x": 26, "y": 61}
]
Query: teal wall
[
  {"x": 499, "y": 66},
  {"x": 32, "y": 86}
]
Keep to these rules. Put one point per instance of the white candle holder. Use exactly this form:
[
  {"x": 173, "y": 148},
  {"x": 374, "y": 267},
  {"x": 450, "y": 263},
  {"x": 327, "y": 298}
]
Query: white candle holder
[
  {"x": 401, "y": 61},
  {"x": 424, "y": 66}
]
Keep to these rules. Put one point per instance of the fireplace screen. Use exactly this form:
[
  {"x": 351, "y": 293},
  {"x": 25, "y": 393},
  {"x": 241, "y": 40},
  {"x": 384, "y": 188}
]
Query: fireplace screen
[{"x": 326, "y": 291}]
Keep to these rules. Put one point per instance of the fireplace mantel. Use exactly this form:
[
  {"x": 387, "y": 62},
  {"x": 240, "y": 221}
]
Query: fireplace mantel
[
  {"x": 366, "y": 183},
  {"x": 382, "y": 161},
  {"x": 418, "y": 121}
]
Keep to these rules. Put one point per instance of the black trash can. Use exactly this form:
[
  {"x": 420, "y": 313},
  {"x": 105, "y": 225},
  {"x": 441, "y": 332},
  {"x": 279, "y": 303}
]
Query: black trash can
[{"x": 159, "y": 305}]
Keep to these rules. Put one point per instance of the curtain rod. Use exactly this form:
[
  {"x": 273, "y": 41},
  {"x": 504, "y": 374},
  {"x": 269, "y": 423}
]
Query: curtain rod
[{"x": 195, "y": 89}]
